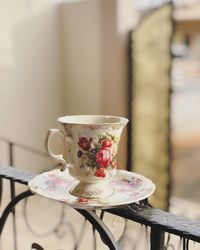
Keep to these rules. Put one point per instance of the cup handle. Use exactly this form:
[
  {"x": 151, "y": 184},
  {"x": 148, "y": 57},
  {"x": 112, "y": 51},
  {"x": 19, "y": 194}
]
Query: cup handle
[{"x": 58, "y": 158}]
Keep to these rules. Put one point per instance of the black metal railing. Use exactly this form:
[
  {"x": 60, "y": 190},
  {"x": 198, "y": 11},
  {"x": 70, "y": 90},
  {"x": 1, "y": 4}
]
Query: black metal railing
[
  {"x": 159, "y": 226},
  {"x": 11, "y": 146}
]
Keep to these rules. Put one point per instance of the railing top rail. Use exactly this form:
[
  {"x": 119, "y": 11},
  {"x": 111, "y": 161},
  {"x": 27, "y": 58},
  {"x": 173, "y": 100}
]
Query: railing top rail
[
  {"x": 24, "y": 147},
  {"x": 165, "y": 221},
  {"x": 15, "y": 174},
  {"x": 140, "y": 213}
]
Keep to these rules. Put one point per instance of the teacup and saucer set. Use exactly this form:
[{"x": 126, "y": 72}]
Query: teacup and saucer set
[{"x": 89, "y": 178}]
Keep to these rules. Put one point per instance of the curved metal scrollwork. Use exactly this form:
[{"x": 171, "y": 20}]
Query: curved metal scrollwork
[
  {"x": 36, "y": 246},
  {"x": 116, "y": 221},
  {"x": 168, "y": 245},
  {"x": 1, "y": 189},
  {"x": 104, "y": 232},
  {"x": 56, "y": 229},
  {"x": 91, "y": 216},
  {"x": 10, "y": 207},
  {"x": 157, "y": 221}
]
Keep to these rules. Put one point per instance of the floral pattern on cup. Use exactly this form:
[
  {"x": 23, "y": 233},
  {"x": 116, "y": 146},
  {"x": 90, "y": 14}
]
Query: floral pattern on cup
[{"x": 99, "y": 153}]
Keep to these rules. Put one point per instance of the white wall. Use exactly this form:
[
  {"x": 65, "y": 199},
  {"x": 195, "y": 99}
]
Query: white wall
[
  {"x": 30, "y": 72},
  {"x": 118, "y": 18},
  {"x": 56, "y": 58},
  {"x": 82, "y": 51}
]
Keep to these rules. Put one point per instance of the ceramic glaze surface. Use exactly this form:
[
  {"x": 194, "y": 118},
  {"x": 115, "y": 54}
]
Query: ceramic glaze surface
[
  {"x": 93, "y": 151},
  {"x": 92, "y": 148},
  {"x": 128, "y": 187}
]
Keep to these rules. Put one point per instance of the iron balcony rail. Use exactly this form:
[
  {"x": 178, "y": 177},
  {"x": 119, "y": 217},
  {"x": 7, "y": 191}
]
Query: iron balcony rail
[{"x": 159, "y": 221}]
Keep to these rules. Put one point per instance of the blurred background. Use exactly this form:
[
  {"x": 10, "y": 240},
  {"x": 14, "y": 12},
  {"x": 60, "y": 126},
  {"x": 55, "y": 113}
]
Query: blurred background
[{"x": 64, "y": 57}]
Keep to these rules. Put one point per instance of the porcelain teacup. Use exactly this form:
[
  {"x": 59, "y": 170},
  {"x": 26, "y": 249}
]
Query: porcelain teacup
[{"x": 91, "y": 147}]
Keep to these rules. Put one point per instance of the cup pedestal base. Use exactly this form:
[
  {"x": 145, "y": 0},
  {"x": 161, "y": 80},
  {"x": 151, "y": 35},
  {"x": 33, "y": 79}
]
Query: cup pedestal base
[{"x": 93, "y": 190}]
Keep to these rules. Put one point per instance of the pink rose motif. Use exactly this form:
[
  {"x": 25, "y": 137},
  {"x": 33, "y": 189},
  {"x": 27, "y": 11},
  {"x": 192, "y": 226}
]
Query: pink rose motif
[
  {"x": 84, "y": 143},
  {"x": 83, "y": 200},
  {"x": 106, "y": 143},
  {"x": 103, "y": 157},
  {"x": 100, "y": 173}
]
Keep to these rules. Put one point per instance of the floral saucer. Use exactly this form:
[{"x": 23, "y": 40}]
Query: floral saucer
[{"x": 129, "y": 187}]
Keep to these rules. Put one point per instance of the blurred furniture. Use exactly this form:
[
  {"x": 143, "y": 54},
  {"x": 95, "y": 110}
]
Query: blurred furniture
[{"x": 149, "y": 149}]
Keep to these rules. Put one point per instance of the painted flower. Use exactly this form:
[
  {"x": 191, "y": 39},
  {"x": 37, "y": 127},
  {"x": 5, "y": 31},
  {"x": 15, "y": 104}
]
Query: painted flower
[
  {"x": 93, "y": 150},
  {"x": 103, "y": 157},
  {"x": 84, "y": 143},
  {"x": 83, "y": 200},
  {"x": 106, "y": 143},
  {"x": 113, "y": 164},
  {"x": 79, "y": 153},
  {"x": 100, "y": 173}
]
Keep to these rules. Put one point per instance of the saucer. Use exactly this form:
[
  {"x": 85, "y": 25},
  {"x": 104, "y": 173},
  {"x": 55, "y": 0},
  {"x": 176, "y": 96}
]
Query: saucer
[{"x": 129, "y": 187}]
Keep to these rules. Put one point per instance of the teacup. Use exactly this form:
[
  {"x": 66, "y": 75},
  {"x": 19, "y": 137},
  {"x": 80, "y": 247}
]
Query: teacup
[{"x": 91, "y": 147}]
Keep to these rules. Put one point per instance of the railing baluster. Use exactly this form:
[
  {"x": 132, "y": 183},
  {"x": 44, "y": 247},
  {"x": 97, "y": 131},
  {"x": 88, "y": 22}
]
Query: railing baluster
[
  {"x": 185, "y": 244},
  {"x": 12, "y": 194},
  {"x": 80, "y": 235},
  {"x": 157, "y": 239},
  {"x": 1, "y": 189},
  {"x": 94, "y": 238},
  {"x": 94, "y": 235},
  {"x": 105, "y": 234}
]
